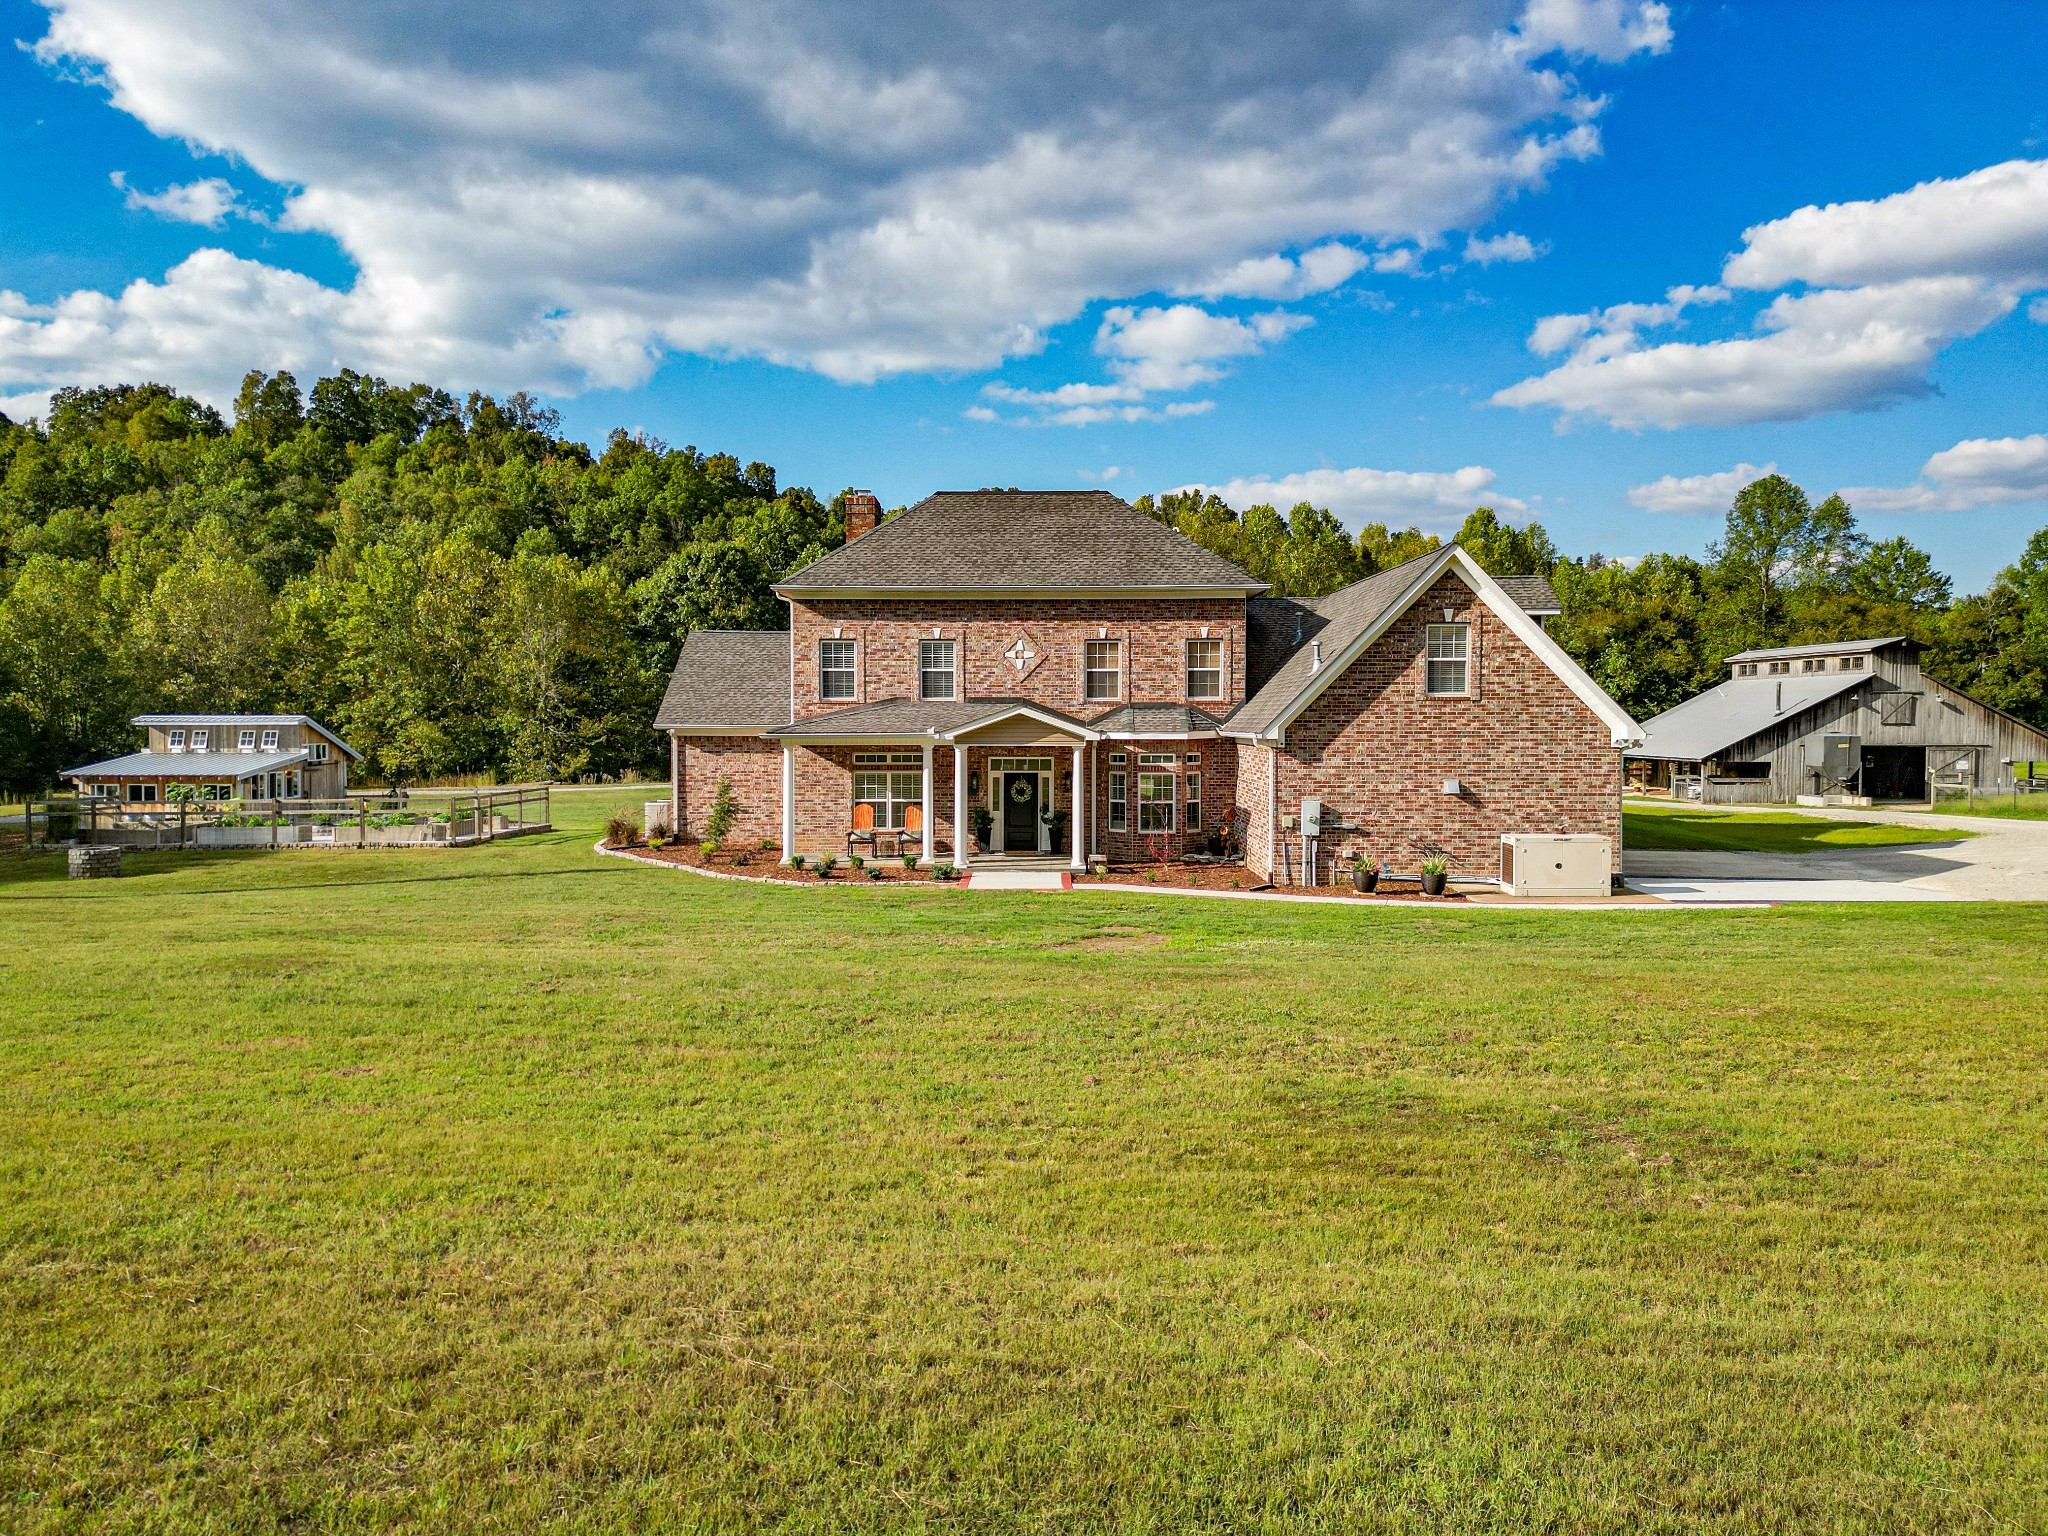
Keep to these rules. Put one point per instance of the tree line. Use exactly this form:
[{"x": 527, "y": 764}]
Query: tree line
[
  {"x": 459, "y": 590},
  {"x": 1654, "y": 631}
]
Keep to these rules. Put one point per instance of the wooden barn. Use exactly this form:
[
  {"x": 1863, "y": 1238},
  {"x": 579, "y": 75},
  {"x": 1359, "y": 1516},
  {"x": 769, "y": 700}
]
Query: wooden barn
[{"x": 1855, "y": 719}]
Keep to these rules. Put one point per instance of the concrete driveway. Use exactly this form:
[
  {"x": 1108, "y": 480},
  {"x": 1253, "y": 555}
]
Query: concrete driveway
[{"x": 2006, "y": 861}]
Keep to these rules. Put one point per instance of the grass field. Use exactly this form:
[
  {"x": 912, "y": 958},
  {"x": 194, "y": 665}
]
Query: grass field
[
  {"x": 2028, "y": 807},
  {"x": 513, "y": 1189},
  {"x": 1688, "y": 828}
]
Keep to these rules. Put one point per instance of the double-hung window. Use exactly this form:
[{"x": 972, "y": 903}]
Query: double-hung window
[
  {"x": 1155, "y": 802},
  {"x": 891, "y": 782},
  {"x": 1450, "y": 660},
  {"x": 1119, "y": 801},
  {"x": 1205, "y": 669},
  {"x": 935, "y": 669},
  {"x": 1105, "y": 670},
  {"x": 270, "y": 741},
  {"x": 177, "y": 741},
  {"x": 835, "y": 669},
  {"x": 1193, "y": 800}
]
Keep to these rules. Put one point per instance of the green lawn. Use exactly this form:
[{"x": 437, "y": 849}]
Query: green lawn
[
  {"x": 1690, "y": 829},
  {"x": 513, "y": 1189},
  {"x": 2028, "y": 807}
]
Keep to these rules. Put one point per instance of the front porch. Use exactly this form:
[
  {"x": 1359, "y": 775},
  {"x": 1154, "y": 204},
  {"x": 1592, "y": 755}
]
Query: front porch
[{"x": 980, "y": 782}]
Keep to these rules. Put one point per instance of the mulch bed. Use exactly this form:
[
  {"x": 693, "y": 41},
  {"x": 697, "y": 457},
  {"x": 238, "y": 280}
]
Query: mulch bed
[
  {"x": 765, "y": 864},
  {"x": 1235, "y": 877}
]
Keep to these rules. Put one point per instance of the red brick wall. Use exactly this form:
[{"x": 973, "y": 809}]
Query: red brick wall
[
  {"x": 1218, "y": 768},
  {"x": 1154, "y": 635},
  {"x": 755, "y": 768},
  {"x": 1376, "y": 749},
  {"x": 1255, "y": 806}
]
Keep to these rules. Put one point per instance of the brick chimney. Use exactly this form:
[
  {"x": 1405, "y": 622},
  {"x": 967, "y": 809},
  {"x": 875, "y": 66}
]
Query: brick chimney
[{"x": 863, "y": 511}]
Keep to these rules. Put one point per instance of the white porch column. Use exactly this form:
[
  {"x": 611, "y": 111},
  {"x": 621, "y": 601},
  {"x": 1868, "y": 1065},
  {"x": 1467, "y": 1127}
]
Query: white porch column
[
  {"x": 925, "y": 857},
  {"x": 788, "y": 801},
  {"x": 960, "y": 806},
  {"x": 1074, "y": 809}
]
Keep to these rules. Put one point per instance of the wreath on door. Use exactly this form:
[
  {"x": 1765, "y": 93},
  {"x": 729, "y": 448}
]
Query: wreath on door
[{"x": 1021, "y": 790}]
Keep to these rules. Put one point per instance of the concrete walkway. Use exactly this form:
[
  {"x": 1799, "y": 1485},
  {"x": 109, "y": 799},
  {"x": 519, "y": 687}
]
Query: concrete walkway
[{"x": 2006, "y": 861}]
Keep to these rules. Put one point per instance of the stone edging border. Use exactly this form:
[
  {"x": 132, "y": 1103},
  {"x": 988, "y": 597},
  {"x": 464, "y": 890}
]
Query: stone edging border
[{"x": 1165, "y": 890}]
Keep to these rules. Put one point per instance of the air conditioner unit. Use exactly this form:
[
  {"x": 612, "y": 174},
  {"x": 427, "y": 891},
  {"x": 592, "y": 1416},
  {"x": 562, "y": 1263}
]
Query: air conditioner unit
[{"x": 1556, "y": 864}]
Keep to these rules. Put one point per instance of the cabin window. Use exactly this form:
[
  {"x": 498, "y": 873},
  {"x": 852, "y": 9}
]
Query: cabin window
[
  {"x": 1205, "y": 669},
  {"x": 177, "y": 741},
  {"x": 1155, "y": 802},
  {"x": 216, "y": 791},
  {"x": 270, "y": 741},
  {"x": 1105, "y": 669},
  {"x": 1746, "y": 669},
  {"x": 1450, "y": 660},
  {"x": 1119, "y": 804},
  {"x": 935, "y": 669},
  {"x": 104, "y": 791},
  {"x": 1194, "y": 802},
  {"x": 200, "y": 739},
  {"x": 1778, "y": 667},
  {"x": 141, "y": 794},
  {"x": 319, "y": 751},
  {"x": 246, "y": 741},
  {"x": 1852, "y": 663},
  {"x": 1814, "y": 664},
  {"x": 835, "y": 669}
]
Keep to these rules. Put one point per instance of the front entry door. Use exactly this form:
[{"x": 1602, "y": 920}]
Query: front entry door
[{"x": 1020, "y": 813}]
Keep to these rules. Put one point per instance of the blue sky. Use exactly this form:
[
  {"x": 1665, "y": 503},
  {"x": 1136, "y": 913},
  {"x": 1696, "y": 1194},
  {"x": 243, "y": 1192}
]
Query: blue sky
[{"x": 1377, "y": 255}]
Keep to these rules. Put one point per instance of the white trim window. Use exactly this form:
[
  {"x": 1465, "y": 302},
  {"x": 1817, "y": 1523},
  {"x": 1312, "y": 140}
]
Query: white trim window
[
  {"x": 1155, "y": 802},
  {"x": 103, "y": 791},
  {"x": 935, "y": 669},
  {"x": 141, "y": 793},
  {"x": 216, "y": 792},
  {"x": 270, "y": 741},
  {"x": 1205, "y": 670},
  {"x": 1450, "y": 660},
  {"x": 245, "y": 741},
  {"x": 176, "y": 741},
  {"x": 891, "y": 782},
  {"x": 319, "y": 750},
  {"x": 837, "y": 677},
  {"x": 1192, "y": 796},
  {"x": 1119, "y": 803},
  {"x": 1156, "y": 759},
  {"x": 1103, "y": 666},
  {"x": 200, "y": 738}
]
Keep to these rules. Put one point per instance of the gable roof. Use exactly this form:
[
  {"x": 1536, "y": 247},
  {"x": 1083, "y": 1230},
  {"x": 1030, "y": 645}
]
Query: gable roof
[
  {"x": 1830, "y": 648},
  {"x": 735, "y": 679},
  {"x": 940, "y": 719},
  {"x": 228, "y": 722},
  {"x": 996, "y": 542},
  {"x": 1710, "y": 722},
  {"x": 1532, "y": 594},
  {"x": 1349, "y": 620}
]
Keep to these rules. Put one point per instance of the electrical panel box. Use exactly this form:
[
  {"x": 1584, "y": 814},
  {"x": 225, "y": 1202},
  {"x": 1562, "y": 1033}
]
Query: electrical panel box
[
  {"x": 1556, "y": 864},
  {"x": 1312, "y": 818}
]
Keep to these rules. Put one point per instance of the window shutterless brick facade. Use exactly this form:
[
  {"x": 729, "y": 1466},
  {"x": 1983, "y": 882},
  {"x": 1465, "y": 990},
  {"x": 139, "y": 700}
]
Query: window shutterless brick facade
[
  {"x": 1376, "y": 748},
  {"x": 755, "y": 768},
  {"x": 1032, "y": 649}
]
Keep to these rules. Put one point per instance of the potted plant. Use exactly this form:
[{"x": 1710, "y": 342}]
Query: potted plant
[
  {"x": 1365, "y": 875},
  {"x": 1055, "y": 828},
  {"x": 1434, "y": 869},
  {"x": 984, "y": 827}
]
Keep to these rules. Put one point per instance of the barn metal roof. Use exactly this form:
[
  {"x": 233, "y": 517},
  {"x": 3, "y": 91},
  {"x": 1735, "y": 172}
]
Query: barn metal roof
[
  {"x": 1735, "y": 711},
  {"x": 1829, "y": 648},
  {"x": 189, "y": 765}
]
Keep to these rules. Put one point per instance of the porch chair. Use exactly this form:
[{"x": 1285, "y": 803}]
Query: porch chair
[
  {"x": 863, "y": 833},
  {"x": 912, "y": 840}
]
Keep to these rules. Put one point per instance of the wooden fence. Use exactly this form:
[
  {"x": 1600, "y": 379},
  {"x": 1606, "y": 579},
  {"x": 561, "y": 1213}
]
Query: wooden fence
[{"x": 384, "y": 819}]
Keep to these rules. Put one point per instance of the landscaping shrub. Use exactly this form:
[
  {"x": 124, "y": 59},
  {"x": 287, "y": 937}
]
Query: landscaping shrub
[
  {"x": 708, "y": 847},
  {"x": 910, "y": 861},
  {"x": 619, "y": 832},
  {"x": 797, "y": 862},
  {"x": 723, "y": 813},
  {"x": 943, "y": 871},
  {"x": 856, "y": 863},
  {"x": 826, "y": 865}
]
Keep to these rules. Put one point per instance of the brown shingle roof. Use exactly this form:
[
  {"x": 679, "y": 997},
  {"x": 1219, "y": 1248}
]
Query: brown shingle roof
[
  {"x": 914, "y": 717},
  {"x": 1535, "y": 594},
  {"x": 728, "y": 677},
  {"x": 1009, "y": 541}
]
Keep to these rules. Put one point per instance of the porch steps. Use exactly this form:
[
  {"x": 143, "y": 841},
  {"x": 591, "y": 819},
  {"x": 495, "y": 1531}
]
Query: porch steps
[{"x": 983, "y": 878}]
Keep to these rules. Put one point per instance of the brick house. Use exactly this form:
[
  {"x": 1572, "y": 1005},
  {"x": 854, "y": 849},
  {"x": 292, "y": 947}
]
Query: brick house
[{"x": 1102, "y": 685}]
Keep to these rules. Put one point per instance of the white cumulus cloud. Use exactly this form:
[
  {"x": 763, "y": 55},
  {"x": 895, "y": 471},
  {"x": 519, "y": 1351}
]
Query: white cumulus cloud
[
  {"x": 562, "y": 198},
  {"x": 1507, "y": 247},
  {"x": 1430, "y": 499},
  {"x": 1697, "y": 493},
  {"x": 207, "y": 202},
  {"x": 1977, "y": 472},
  {"x": 1876, "y": 290}
]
